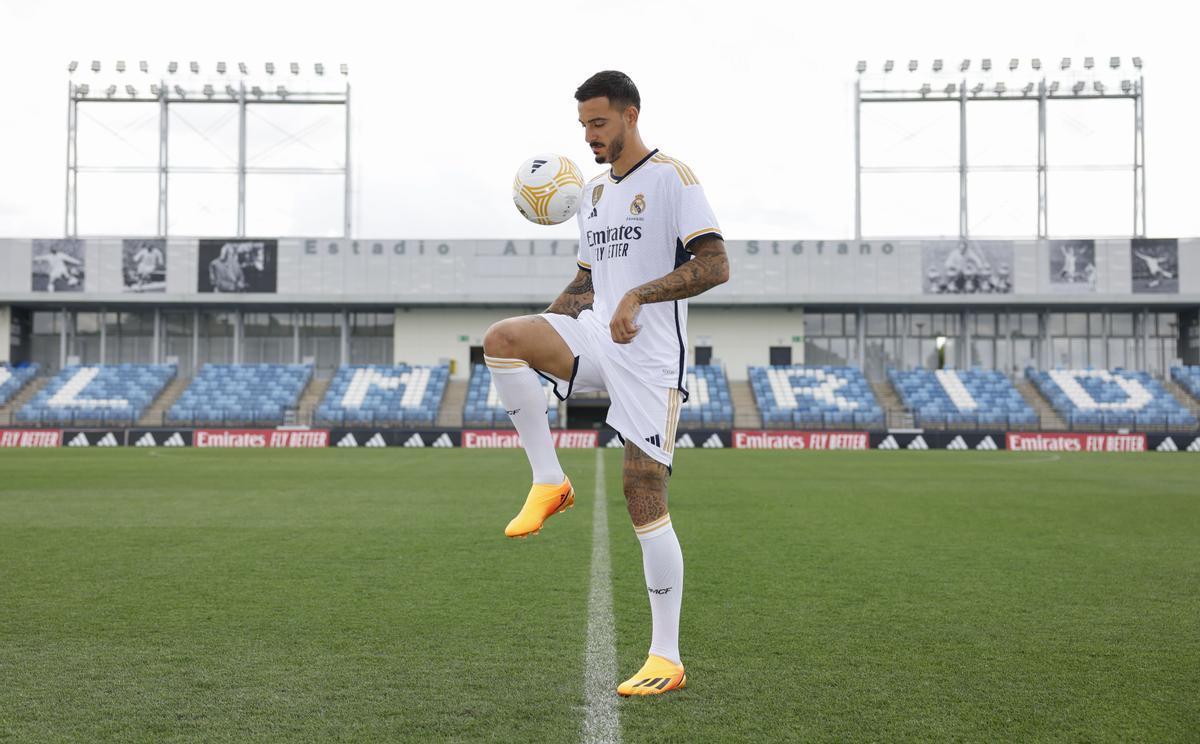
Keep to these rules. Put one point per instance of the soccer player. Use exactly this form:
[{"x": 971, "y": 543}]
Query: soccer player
[
  {"x": 225, "y": 272},
  {"x": 62, "y": 267},
  {"x": 1154, "y": 268},
  {"x": 648, "y": 240},
  {"x": 146, "y": 261}
]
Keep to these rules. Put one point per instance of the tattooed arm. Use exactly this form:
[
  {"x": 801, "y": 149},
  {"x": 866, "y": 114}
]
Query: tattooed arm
[
  {"x": 708, "y": 268},
  {"x": 576, "y": 298}
]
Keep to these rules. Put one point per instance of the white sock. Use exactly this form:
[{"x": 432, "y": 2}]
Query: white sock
[
  {"x": 662, "y": 560},
  {"x": 521, "y": 391}
]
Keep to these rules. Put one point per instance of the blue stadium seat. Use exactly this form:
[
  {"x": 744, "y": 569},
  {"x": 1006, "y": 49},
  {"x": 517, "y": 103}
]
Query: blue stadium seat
[
  {"x": 12, "y": 379},
  {"x": 104, "y": 395},
  {"x": 483, "y": 408},
  {"x": 958, "y": 398},
  {"x": 384, "y": 395},
  {"x": 241, "y": 394},
  {"x": 795, "y": 396},
  {"x": 1115, "y": 398},
  {"x": 709, "y": 403}
]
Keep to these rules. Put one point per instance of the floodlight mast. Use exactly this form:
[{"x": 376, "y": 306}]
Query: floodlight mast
[
  {"x": 1074, "y": 89},
  {"x": 201, "y": 91}
]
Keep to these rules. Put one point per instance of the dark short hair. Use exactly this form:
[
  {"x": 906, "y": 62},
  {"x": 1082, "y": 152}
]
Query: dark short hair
[{"x": 615, "y": 86}]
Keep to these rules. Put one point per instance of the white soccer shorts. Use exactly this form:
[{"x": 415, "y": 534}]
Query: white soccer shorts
[{"x": 643, "y": 413}]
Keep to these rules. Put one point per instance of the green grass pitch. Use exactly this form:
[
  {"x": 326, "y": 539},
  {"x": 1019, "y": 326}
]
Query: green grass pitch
[{"x": 370, "y": 595}]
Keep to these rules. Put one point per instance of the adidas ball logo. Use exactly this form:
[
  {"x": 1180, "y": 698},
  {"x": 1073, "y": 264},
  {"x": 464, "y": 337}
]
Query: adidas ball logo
[{"x": 958, "y": 443}]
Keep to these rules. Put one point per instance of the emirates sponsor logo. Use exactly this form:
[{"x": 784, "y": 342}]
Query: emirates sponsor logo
[
  {"x": 563, "y": 439},
  {"x": 252, "y": 438},
  {"x": 1071, "y": 442},
  {"x": 491, "y": 439},
  {"x": 794, "y": 440}
]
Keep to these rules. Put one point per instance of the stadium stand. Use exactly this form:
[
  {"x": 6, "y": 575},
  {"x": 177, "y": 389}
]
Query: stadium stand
[
  {"x": 949, "y": 397},
  {"x": 241, "y": 393},
  {"x": 12, "y": 379},
  {"x": 709, "y": 403},
  {"x": 483, "y": 407},
  {"x": 1116, "y": 398},
  {"x": 800, "y": 396},
  {"x": 381, "y": 395},
  {"x": 112, "y": 394},
  {"x": 1187, "y": 378}
]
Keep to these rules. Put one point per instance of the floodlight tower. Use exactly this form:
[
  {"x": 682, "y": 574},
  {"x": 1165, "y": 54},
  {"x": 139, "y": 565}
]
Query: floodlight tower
[
  {"x": 1068, "y": 84},
  {"x": 224, "y": 87}
]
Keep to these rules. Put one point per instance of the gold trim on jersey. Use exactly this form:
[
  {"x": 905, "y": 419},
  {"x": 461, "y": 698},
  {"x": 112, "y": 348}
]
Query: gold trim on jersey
[
  {"x": 685, "y": 173},
  {"x": 700, "y": 232},
  {"x": 583, "y": 265}
]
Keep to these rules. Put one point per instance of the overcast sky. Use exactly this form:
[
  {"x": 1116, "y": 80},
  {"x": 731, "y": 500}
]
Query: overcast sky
[{"x": 449, "y": 98}]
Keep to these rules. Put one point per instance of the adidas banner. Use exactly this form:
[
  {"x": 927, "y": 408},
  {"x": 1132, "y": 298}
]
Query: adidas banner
[
  {"x": 93, "y": 438},
  {"x": 30, "y": 437},
  {"x": 1173, "y": 443},
  {"x": 377, "y": 438},
  {"x": 690, "y": 439},
  {"x": 916, "y": 440},
  {"x": 159, "y": 438}
]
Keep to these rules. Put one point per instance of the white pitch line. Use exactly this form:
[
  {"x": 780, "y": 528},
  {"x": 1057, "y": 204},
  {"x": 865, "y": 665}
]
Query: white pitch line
[{"x": 600, "y": 723}]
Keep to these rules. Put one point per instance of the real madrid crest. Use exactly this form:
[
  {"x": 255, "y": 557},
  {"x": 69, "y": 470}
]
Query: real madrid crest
[
  {"x": 639, "y": 204},
  {"x": 596, "y": 192}
]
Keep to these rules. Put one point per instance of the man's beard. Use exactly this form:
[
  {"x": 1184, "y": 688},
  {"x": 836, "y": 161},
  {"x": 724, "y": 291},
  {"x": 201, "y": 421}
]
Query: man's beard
[{"x": 615, "y": 148}]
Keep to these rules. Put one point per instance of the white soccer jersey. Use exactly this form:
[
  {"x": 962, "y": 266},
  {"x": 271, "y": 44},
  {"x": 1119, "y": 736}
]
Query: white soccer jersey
[{"x": 635, "y": 229}]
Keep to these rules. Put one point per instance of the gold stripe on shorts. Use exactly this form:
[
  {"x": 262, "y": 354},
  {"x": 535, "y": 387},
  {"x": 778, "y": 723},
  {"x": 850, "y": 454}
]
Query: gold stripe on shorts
[{"x": 673, "y": 406}]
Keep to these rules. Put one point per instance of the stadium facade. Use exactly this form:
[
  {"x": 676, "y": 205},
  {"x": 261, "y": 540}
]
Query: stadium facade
[{"x": 848, "y": 309}]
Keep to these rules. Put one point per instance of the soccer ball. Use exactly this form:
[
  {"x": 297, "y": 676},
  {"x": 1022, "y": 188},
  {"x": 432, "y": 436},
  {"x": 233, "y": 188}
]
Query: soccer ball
[{"x": 547, "y": 189}]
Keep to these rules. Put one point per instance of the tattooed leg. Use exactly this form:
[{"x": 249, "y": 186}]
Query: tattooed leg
[{"x": 645, "y": 482}]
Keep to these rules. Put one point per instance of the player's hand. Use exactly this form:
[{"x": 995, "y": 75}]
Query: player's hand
[{"x": 624, "y": 321}]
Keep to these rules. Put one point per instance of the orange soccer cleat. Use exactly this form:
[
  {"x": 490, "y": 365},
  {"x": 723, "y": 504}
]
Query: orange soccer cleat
[
  {"x": 542, "y": 501},
  {"x": 657, "y": 675}
]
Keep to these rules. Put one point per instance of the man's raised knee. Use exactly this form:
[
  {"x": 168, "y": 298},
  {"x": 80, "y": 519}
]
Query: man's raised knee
[{"x": 500, "y": 340}]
